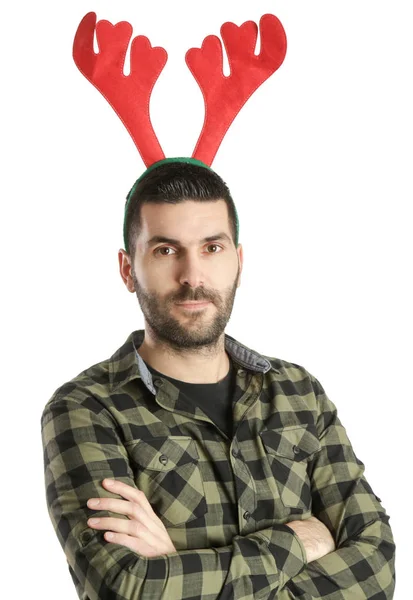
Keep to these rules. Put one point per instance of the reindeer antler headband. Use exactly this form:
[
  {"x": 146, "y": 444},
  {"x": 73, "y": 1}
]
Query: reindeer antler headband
[{"x": 129, "y": 95}]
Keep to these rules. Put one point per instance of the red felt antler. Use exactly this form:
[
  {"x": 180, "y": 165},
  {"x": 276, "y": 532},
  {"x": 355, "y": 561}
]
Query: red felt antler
[
  {"x": 129, "y": 95},
  {"x": 225, "y": 96}
]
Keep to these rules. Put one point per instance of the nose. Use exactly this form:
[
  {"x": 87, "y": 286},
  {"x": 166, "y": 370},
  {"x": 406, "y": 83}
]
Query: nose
[{"x": 191, "y": 272}]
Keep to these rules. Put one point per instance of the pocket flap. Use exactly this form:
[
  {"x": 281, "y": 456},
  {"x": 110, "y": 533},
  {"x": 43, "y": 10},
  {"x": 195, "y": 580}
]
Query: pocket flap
[
  {"x": 295, "y": 443},
  {"x": 163, "y": 454}
]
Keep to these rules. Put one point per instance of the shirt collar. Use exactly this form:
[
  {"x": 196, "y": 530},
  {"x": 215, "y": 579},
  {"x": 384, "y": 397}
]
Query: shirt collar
[{"x": 126, "y": 364}]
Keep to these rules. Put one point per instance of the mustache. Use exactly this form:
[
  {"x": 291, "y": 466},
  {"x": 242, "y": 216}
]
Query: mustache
[{"x": 197, "y": 295}]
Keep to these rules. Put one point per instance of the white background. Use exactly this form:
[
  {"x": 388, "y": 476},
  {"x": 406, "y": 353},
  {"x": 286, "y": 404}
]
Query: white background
[{"x": 319, "y": 164}]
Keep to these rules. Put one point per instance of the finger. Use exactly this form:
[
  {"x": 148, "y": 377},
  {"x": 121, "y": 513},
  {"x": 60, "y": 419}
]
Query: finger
[
  {"x": 132, "y": 543},
  {"x": 129, "y": 509},
  {"x": 122, "y": 507},
  {"x": 130, "y": 528},
  {"x": 134, "y": 495},
  {"x": 112, "y": 524},
  {"x": 135, "y": 528},
  {"x": 158, "y": 540},
  {"x": 144, "y": 502},
  {"x": 123, "y": 489},
  {"x": 127, "y": 491}
]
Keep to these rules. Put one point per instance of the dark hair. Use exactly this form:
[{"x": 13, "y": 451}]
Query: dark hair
[{"x": 175, "y": 182}]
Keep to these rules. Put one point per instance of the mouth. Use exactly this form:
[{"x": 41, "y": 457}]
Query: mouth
[{"x": 193, "y": 305}]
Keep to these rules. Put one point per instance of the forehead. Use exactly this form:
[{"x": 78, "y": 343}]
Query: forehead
[{"x": 187, "y": 221}]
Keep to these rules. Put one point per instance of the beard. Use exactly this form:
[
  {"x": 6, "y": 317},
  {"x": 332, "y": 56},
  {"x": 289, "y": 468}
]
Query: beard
[{"x": 195, "y": 333}]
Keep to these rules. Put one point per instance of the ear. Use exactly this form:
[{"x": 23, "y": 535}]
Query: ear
[
  {"x": 240, "y": 253},
  {"x": 125, "y": 268}
]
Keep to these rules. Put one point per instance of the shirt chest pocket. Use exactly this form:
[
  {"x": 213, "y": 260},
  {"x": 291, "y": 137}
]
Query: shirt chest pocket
[
  {"x": 167, "y": 471},
  {"x": 289, "y": 452}
]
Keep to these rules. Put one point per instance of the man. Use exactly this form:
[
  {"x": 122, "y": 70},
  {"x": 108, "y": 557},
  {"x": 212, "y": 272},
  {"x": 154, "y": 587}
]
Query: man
[{"x": 189, "y": 466}]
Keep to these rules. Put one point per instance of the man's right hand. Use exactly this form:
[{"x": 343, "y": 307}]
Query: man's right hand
[{"x": 315, "y": 537}]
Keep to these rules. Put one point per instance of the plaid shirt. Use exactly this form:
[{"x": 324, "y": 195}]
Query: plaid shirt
[{"x": 224, "y": 501}]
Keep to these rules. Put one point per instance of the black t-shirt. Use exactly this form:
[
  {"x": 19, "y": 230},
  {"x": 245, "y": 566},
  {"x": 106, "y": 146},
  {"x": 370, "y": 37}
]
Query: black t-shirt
[{"x": 215, "y": 399}]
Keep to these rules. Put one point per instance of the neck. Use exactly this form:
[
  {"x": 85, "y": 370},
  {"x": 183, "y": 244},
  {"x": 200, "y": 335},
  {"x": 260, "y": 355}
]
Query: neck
[{"x": 206, "y": 364}]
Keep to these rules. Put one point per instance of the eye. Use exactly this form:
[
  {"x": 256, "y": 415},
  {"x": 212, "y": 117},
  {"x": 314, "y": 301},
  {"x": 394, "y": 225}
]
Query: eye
[
  {"x": 164, "y": 251},
  {"x": 215, "y": 249}
]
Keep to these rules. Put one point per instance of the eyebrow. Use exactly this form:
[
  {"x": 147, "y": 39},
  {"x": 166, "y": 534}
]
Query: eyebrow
[{"x": 160, "y": 239}]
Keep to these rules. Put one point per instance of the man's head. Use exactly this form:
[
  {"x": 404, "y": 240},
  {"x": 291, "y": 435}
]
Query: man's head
[
  {"x": 175, "y": 180},
  {"x": 181, "y": 232}
]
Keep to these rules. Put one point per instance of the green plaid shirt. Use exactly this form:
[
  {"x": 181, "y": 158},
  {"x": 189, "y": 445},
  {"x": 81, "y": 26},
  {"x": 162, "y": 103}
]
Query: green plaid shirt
[{"x": 225, "y": 502}]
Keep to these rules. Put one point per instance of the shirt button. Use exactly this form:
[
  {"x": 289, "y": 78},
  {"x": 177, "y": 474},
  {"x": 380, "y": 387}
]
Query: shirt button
[
  {"x": 163, "y": 459},
  {"x": 86, "y": 536},
  {"x": 235, "y": 453},
  {"x": 241, "y": 372},
  {"x": 247, "y": 515},
  {"x": 296, "y": 450},
  {"x": 157, "y": 382}
]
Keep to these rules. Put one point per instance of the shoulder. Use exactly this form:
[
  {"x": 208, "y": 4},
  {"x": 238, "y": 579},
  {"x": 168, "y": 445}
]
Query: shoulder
[
  {"x": 294, "y": 373},
  {"x": 293, "y": 381},
  {"x": 93, "y": 387},
  {"x": 299, "y": 395},
  {"x": 291, "y": 376},
  {"x": 87, "y": 390}
]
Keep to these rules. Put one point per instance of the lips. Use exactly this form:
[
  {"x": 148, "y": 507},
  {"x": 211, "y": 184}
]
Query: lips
[{"x": 193, "y": 304}]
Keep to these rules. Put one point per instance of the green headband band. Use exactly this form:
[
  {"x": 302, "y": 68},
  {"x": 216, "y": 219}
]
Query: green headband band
[{"x": 192, "y": 161}]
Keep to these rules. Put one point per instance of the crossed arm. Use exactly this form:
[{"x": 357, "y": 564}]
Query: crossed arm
[
  {"x": 268, "y": 563},
  {"x": 144, "y": 533}
]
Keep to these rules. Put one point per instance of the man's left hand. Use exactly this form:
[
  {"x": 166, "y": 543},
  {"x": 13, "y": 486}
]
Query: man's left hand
[{"x": 143, "y": 532}]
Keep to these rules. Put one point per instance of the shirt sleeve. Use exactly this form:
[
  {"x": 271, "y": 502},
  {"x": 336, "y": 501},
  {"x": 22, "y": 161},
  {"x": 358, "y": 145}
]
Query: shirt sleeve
[
  {"x": 362, "y": 566},
  {"x": 81, "y": 448}
]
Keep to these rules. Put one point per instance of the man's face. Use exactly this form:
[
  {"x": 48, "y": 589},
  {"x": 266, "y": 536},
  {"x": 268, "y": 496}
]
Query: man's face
[{"x": 185, "y": 254}]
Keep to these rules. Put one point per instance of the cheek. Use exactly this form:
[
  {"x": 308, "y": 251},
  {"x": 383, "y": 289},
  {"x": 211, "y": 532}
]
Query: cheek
[
  {"x": 161, "y": 272},
  {"x": 223, "y": 274},
  {"x": 159, "y": 278},
  {"x": 152, "y": 273}
]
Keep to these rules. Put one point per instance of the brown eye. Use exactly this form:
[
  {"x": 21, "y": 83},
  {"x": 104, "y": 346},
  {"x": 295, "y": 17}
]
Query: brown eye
[
  {"x": 215, "y": 247},
  {"x": 164, "y": 251}
]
